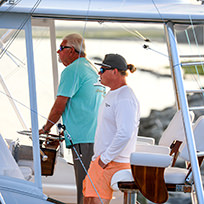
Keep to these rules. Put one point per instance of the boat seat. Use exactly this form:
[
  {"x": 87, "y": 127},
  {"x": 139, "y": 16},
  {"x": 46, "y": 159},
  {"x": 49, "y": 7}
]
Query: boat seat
[
  {"x": 125, "y": 177},
  {"x": 164, "y": 153},
  {"x": 144, "y": 144},
  {"x": 122, "y": 175},
  {"x": 175, "y": 175},
  {"x": 198, "y": 134},
  {"x": 145, "y": 140},
  {"x": 155, "y": 180}
]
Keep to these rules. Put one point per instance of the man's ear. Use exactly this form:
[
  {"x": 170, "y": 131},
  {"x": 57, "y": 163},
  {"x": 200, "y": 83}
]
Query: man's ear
[
  {"x": 72, "y": 50},
  {"x": 115, "y": 71}
]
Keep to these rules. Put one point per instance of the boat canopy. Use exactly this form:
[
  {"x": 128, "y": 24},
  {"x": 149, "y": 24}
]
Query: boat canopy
[{"x": 178, "y": 11}]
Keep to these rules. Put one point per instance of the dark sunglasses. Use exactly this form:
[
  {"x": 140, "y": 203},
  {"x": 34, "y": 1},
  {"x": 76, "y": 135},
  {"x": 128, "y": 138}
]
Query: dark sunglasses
[
  {"x": 102, "y": 70},
  {"x": 63, "y": 47}
]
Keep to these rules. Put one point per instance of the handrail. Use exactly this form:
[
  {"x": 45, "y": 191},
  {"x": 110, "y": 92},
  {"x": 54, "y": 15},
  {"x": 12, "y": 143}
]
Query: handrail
[
  {"x": 191, "y": 56},
  {"x": 196, "y": 108},
  {"x": 191, "y": 64},
  {"x": 195, "y": 91}
]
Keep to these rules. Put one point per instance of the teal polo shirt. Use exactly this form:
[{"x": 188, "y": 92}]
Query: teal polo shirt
[{"x": 80, "y": 115}]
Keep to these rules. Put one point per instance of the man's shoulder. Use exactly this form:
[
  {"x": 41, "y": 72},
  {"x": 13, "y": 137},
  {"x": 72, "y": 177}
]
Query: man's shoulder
[
  {"x": 81, "y": 68},
  {"x": 126, "y": 93}
]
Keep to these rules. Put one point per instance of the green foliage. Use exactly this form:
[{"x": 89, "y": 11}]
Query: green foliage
[{"x": 199, "y": 69}]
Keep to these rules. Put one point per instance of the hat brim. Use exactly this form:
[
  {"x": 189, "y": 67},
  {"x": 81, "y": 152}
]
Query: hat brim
[{"x": 102, "y": 64}]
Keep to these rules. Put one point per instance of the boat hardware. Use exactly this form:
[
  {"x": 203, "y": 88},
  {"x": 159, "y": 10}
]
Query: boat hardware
[
  {"x": 191, "y": 64},
  {"x": 195, "y": 91},
  {"x": 196, "y": 108},
  {"x": 2, "y": 201}
]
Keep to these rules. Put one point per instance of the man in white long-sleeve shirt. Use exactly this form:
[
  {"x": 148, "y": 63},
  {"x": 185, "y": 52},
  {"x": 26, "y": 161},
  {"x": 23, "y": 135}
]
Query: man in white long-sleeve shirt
[{"x": 116, "y": 133}]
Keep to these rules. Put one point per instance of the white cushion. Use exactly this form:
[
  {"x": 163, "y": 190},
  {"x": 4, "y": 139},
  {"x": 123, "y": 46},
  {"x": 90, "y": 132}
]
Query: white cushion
[
  {"x": 148, "y": 140},
  {"x": 174, "y": 131},
  {"x": 150, "y": 159},
  {"x": 198, "y": 129},
  {"x": 174, "y": 175},
  {"x": 122, "y": 175},
  {"x": 152, "y": 148}
]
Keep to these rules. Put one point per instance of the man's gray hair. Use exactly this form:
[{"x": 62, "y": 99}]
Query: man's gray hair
[{"x": 77, "y": 41}]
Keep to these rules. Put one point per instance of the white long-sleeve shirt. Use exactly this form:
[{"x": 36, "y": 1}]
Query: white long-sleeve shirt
[{"x": 117, "y": 126}]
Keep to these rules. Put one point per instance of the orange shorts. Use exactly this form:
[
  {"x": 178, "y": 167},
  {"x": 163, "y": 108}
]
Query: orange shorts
[{"x": 101, "y": 179}]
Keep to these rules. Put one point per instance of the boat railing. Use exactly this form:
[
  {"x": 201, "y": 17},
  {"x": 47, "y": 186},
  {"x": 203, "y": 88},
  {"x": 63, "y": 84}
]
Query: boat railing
[
  {"x": 191, "y": 64},
  {"x": 196, "y": 108},
  {"x": 197, "y": 91}
]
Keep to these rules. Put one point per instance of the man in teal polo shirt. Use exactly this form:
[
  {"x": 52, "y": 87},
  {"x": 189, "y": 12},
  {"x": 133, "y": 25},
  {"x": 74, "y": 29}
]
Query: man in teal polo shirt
[{"x": 78, "y": 100}]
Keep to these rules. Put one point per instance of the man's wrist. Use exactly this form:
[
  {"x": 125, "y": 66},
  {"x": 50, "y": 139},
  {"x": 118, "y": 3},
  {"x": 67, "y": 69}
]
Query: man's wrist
[{"x": 44, "y": 130}]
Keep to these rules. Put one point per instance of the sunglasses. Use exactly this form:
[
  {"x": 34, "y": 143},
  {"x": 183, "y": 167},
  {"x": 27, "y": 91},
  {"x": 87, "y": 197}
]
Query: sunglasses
[
  {"x": 102, "y": 70},
  {"x": 63, "y": 47}
]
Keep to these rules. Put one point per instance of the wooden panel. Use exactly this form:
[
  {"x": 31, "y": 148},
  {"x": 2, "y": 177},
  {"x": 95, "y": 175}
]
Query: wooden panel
[{"x": 150, "y": 181}]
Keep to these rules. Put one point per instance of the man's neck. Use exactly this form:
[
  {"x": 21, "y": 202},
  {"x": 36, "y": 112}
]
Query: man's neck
[
  {"x": 117, "y": 85},
  {"x": 76, "y": 57}
]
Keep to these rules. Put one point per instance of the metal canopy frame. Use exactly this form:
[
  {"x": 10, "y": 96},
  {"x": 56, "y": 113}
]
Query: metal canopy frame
[
  {"x": 182, "y": 104},
  {"x": 12, "y": 20},
  {"x": 23, "y": 21},
  {"x": 176, "y": 11}
]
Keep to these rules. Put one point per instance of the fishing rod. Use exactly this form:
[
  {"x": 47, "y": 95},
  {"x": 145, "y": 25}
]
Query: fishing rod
[{"x": 60, "y": 126}]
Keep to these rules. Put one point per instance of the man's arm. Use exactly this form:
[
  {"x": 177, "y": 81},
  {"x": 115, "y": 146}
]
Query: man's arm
[{"x": 55, "y": 113}]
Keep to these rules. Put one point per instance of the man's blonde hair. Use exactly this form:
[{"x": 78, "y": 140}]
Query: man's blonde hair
[{"x": 77, "y": 41}]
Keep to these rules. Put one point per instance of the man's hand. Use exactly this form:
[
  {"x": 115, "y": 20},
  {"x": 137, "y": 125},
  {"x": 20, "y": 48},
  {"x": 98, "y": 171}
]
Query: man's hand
[
  {"x": 100, "y": 163},
  {"x": 41, "y": 132}
]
